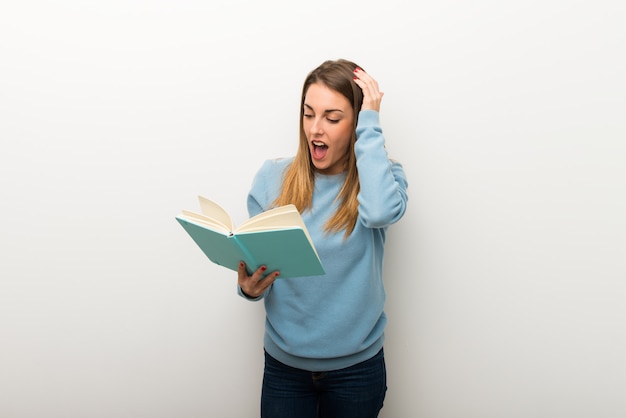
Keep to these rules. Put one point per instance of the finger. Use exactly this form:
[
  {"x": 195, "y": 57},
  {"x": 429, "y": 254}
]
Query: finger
[
  {"x": 366, "y": 78},
  {"x": 369, "y": 86},
  {"x": 256, "y": 284},
  {"x": 268, "y": 280},
  {"x": 242, "y": 273},
  {"x": 369, "y": 91},
  {"x": 371, "y": 99},
  {"x": 259, "y": 273}
]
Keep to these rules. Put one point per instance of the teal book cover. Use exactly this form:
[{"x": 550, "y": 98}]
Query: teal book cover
[{"x": 285, "y": 248}]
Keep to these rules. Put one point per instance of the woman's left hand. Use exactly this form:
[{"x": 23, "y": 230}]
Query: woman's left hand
[{"x": 371, "y": 95}]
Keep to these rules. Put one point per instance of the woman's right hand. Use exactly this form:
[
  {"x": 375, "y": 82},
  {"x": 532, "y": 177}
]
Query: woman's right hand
[{"x": 254, "y": 285}]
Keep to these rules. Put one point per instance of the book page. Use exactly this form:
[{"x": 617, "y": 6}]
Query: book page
[
  {"x": 278, "y": 218},
  {"x": 205, "y": 221},
  {"x": 215, "y": 211}
]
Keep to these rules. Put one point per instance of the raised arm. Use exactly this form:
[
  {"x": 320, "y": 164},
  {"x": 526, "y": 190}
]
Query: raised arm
[{"x": 382, "y": 197}]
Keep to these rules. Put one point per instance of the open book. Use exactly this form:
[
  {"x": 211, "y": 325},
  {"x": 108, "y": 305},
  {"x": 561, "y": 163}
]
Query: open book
[{"x": 276, "y": 238}]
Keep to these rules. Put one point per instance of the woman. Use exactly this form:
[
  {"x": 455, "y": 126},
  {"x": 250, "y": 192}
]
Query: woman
[{"x": 324, "y": 334}]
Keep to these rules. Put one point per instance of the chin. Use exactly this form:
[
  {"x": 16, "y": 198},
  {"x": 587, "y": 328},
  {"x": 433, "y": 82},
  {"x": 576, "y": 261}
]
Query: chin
[{"x": 316, "y": 165}]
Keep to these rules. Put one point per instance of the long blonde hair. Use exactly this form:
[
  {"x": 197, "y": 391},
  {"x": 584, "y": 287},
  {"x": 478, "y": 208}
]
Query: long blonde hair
[{"x": 299, "y": 177}]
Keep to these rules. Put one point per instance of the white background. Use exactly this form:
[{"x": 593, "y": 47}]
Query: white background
[{"x": 506, "y": 278}]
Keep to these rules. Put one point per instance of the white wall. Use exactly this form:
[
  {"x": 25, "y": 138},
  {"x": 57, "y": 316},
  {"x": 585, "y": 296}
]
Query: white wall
[{"x": 506, "y": 278}]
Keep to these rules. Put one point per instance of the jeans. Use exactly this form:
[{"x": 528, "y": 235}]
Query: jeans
[{"x": 354, "y": 392}]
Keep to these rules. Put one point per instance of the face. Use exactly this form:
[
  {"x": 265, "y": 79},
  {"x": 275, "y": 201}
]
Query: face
[{"x": 328, "y": 126}]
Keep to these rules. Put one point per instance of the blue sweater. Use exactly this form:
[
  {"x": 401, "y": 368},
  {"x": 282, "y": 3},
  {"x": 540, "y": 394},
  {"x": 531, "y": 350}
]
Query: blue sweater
[{"x": 333, "y": 321}]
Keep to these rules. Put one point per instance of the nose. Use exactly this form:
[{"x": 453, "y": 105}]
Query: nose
[{"x": 316, "y": 126}]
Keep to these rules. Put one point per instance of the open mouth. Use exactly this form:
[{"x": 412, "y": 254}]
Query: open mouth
[{"x": 319, "y": 149}]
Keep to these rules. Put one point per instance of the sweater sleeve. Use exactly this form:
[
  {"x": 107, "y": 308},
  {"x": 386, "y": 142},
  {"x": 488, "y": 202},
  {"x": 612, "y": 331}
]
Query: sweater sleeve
[{"x": 382, "y": 196}]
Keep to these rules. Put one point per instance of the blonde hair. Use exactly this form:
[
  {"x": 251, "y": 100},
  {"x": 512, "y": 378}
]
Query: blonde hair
[{"x": 299, "y": 176}]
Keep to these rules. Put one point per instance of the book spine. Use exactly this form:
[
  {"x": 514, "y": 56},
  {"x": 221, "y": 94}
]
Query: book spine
[{"x": 251, "y": 263}]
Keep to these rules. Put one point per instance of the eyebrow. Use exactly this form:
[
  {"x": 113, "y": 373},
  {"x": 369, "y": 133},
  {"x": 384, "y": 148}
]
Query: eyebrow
[{"x": 325, "y": 111}]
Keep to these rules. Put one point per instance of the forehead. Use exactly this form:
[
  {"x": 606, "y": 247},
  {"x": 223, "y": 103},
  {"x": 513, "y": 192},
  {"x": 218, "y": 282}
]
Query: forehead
[{"x": 320, "y": 97}]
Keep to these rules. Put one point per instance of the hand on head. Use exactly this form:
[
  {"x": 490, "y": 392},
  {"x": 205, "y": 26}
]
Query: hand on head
[{"x": 371, "y": 95}]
